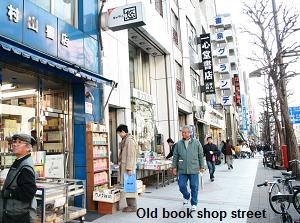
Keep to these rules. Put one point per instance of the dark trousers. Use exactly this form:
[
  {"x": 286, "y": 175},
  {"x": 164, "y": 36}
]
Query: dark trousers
[{"x": 211, "y": 166}]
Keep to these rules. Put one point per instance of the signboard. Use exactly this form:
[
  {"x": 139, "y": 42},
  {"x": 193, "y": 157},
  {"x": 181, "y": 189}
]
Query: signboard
[
  {"x": 227, "y": 100},
  {"x": 244, "y": 114},
  {"x": 294, "y": 113},
  {"x": 225, "y": 84},
  {"x": 208, "y": 73},
  {"x": 220, "y": 37},
  {"x": 127, "y": 16},
  {"x": 28, "y": 24},
  {"x": 54, "y": 166},
  {"x": 224, "y": 68},
  {"x": 222, "y": 52}
]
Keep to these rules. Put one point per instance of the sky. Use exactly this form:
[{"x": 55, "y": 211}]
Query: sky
[{"x": 234, "y": 7}]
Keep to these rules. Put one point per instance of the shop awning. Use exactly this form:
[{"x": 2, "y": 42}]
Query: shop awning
[
  {"x": 242, "y": 136},
  {"x": 77, "y": 71}
]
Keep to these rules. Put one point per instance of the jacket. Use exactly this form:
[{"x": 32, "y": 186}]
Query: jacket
[
  {"x": 127, "y": 155},
  {"x": 188, "y": 160},
  {"x": 16, "y": 209},
  {"x": 210, "y": 147},
  {"x": 228, "y": 149}
]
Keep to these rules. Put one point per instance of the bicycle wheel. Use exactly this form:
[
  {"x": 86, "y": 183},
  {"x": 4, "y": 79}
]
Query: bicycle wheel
[
  {"x": 286, "y": 218},
  {"x": 296, "y": 201},
  {"x": 275, "y": 205}
]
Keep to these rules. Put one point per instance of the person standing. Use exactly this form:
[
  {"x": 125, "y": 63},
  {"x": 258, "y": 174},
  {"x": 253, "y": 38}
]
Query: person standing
[
  {"x": 211, "y": 152},
  {"x": 229, "y": 154},
  {"x": 127, "y": 160},
  {"x": 187, "y": 162},
  {"x": 171, "y": 146},
  {"x": 19, "y": 204}
]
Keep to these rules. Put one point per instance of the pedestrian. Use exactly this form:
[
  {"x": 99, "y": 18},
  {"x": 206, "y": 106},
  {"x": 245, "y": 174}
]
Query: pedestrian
[
  {"x": 187, "y": 162},
  {"x": 223, "y": 149},
  {"x": 19, "y": 204},
  {"x": 127, "y": 160},
  {"x": 229, "y": 151},
  {"x": 171, "y": 146},
  {"x": 211, "y": 153}
]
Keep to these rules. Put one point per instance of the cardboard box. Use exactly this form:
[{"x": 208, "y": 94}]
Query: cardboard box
[
  {"x": 108, "y": 208},
  {"x": 109, "y": 196}
]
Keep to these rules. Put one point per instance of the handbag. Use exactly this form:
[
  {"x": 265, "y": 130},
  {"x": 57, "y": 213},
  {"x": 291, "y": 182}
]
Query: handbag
[
  {"x": 232, "y": 151},
  {"x": 130, "y": 183},
  {"x": 213, "y": 158}
]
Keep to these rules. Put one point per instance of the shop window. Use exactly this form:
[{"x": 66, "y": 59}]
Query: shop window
[
  {"x": 139, "y": 69},
  {"x": 18, "y": 102},
  {"x": 34, "y": 106},
  {"x": 143, "y": 124},
  {"x": 66, "y": 10}
]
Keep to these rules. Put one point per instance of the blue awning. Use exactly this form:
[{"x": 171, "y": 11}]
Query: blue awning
[{"x": 44, "y": 59}]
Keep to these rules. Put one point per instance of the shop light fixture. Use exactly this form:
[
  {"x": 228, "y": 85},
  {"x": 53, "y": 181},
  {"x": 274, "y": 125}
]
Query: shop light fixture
[
  {"x": 19, "y": 93},
  {"x": 6, "y": 87}
]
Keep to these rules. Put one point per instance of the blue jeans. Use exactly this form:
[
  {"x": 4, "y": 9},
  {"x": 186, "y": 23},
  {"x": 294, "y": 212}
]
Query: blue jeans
[
  {"x": 194, "y": 185},
  {"x": 211, "y": 166}
]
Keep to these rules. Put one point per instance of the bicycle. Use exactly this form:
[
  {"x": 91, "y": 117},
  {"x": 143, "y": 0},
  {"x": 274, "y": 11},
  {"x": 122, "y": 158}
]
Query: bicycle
[
  {"x": 282, "y": 185},
  {"x": 281, "y": 199}
]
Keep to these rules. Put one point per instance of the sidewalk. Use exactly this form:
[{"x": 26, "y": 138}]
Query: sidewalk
[
  {"x": 231, "y": 191},
  {"x": 230, "y": 194},
  {"x": 260, "y": 199}
]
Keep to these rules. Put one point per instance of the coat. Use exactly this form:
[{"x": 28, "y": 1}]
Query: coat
[
  {"x": 210, "y": 147},
  {"x": 228, "y": 148},
  {"x": 188, "y": 160},
  {"x": 127, "y": 156}
]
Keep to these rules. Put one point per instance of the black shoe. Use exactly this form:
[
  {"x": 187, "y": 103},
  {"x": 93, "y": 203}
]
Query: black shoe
[
  {"x": 228, "y": 168},
  {"x": 212, "y": 179},
  {"x": 231, "y": 166}
]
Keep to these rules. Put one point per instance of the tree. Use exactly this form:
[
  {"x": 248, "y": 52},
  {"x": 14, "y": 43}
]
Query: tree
[{"x": 271, "y": 27}]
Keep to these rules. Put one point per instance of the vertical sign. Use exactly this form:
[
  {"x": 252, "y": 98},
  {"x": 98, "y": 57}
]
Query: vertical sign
[{"x": 208, "y": 72}]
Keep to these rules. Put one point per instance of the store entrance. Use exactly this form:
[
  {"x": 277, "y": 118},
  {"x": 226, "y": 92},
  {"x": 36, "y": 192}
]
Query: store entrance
[{"x": 37, "y": 105}]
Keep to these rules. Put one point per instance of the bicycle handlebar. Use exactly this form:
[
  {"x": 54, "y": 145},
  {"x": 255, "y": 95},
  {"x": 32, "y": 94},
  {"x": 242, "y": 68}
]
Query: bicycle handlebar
[{"x": 263, "y": 184}]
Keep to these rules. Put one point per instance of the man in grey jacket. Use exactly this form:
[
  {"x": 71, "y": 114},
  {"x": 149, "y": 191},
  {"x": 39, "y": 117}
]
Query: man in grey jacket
[{"x": 187, "y": 162}]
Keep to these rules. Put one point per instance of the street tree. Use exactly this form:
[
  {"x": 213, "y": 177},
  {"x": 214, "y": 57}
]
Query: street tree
[{"x": 270, "y": 27}]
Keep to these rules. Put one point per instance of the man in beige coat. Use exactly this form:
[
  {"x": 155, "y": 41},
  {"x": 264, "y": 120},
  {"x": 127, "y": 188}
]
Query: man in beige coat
[{"x": 127, "y": 160}]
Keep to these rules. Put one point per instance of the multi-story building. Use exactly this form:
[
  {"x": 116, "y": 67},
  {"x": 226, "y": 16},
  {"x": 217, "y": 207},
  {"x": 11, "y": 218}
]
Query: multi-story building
[
  {"x": 159, "y": 78},
  {"x": 227, "y": 73}
]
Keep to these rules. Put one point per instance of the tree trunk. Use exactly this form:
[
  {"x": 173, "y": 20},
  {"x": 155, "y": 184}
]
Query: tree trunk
[{"x": 293, "y": 151}]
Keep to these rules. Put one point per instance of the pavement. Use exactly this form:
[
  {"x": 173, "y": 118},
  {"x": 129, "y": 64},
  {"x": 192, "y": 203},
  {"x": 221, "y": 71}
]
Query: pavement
[{"x": 229, "y": 199}]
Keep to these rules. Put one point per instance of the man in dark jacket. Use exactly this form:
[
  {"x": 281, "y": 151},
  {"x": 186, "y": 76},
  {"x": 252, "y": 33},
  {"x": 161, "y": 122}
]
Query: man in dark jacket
[
  {"x": 171, "y": 146},
  {"x": 19, "y": 188},
  {"x": 211, "y": 152}
]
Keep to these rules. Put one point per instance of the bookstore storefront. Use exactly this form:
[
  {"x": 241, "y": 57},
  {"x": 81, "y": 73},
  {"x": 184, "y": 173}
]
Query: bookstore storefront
[{"x": 50, "y": 85}]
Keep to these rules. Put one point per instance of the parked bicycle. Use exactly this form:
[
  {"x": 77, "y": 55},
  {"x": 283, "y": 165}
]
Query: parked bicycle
[
  {"x": 269, "y": 159},
  {"x": 282, "y": 193},
  {"x": 281, "y": 199}
]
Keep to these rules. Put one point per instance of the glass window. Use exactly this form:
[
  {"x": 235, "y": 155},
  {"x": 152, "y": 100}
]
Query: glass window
[
  {"x": 66, "y": 10},
  {"x": 139, "y": 69},
  {"x": 175, "y": 29},
  {"x": 159, "y": 6},
  {"x": 195, "y": 82},
  {"x": 191, "y": 32},
  {"x": 179, "y": 79}
]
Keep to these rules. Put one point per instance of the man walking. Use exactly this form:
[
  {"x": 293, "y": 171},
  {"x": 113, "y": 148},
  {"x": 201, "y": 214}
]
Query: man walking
[
  {"x": 187, "y": 162},
  {"x": 127, "y": 160},
  {"x": 19, "y": 204},
  {"x": 229, "y": 154},
  {"x": 210, "y": 151}
]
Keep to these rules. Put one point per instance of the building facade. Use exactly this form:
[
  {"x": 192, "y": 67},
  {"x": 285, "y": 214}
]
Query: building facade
[
  {"x": 159, "y": 78},
  {"x": 50, "y": 77}
]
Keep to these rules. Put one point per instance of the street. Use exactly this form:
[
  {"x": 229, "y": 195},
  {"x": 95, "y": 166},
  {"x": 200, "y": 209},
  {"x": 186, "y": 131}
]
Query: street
[{"x": 233, "y": 197}]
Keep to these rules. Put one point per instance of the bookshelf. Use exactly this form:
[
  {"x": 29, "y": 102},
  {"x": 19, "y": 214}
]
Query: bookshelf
[{"x": 97, "y": 155}]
